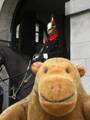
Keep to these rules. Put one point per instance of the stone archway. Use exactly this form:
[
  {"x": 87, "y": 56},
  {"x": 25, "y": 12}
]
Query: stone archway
[{"x": 5, "y": 20}]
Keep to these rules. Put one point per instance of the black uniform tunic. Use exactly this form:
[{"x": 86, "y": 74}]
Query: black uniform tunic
[{"x": 53, "y": 48}]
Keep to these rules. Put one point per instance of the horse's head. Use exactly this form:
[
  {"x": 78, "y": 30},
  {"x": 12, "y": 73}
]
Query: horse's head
[
  {"x": 16, "y": 65},
  {"x": 2, "y": 60}
]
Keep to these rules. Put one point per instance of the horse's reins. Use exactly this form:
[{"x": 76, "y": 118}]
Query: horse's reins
[
  {"x": 2, "y": 80},
  {"x": 23, "y": 81},
  {"x": 14, "y": 94}
]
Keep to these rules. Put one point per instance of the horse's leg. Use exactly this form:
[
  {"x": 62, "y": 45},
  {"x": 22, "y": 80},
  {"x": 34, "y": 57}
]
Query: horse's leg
[
  {"x": 1, "y": 98},
  {"x": 1, "y": 102}
]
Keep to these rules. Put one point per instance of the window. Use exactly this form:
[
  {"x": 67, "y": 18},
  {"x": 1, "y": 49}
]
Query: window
[
  {"x": 17, "y": 31},
  {"x": 37, "y": 33}
]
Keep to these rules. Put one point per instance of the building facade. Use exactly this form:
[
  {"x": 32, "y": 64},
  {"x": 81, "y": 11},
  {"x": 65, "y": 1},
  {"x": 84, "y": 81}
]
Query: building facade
[
  {"x": 77, "y": 29},
  {"x": 79, "y": 13}
]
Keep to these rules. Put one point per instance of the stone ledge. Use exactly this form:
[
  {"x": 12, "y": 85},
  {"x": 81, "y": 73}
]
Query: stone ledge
[{"x": 76, "y": 6}]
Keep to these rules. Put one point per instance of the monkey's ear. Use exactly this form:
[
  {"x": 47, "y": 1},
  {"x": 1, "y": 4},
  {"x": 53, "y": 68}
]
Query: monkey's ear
[
  {"x": 81, "y": 70},
  {"x": 35, "y": 66}
]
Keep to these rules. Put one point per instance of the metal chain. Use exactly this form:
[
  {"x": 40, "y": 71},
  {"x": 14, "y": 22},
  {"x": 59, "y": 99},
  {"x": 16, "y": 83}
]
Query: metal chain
[{"x": 14, "y": 94}]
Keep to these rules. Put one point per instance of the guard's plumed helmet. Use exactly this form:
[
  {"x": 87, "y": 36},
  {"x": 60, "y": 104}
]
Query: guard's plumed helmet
[{"x": 51, "y": 26}]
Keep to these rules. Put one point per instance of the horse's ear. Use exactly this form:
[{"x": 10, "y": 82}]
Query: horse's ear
[
  {"x": 35, "y": 66},
  {"x": 81, "y": 70}
]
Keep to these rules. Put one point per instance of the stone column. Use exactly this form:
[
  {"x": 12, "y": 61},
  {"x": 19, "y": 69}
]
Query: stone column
[
  {"x": 79, "y": 12},
  {"x": 1, "y": 4},
  {"x": 6, "y": 14}
]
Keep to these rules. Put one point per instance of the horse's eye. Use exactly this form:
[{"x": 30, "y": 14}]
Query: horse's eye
[
  {"x": 67, "y": 71},
  {"x": 46, "y": 70}
]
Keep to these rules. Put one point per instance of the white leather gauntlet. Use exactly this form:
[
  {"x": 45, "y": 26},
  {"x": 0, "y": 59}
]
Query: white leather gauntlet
[{"x": 45, "y": 55}]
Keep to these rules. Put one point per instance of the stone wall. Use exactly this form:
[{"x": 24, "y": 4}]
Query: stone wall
[
  {"x": 79, "y": 13},
  {"x": 1, "y": 4},
  {"x": 6, "y": 14},
  {"x": 5, "y": 19}
]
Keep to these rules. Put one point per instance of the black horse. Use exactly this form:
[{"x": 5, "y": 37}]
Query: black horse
[
  {"x": 18, "y": 69},
  {"x": 1, "y": 98}
]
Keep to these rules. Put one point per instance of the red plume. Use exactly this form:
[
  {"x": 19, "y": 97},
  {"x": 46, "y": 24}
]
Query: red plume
[{"x": 53, "y": 20}]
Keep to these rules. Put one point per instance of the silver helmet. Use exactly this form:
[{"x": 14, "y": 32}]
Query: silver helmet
[{"x": 51, "y": 27}]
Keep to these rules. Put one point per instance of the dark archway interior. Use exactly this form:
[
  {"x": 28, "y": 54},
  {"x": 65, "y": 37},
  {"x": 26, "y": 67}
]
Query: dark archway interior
[{"x": 30, "y": 12}]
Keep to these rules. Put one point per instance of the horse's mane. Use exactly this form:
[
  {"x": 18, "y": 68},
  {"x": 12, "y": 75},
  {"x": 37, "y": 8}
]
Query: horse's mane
[{"x": 27, "y": 57}]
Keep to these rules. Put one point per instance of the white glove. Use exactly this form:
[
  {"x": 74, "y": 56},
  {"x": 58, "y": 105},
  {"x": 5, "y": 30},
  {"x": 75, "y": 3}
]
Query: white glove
[{"x": 45, "y": 55}]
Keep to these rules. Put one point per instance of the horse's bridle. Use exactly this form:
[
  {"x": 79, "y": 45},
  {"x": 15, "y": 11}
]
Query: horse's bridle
[{"x": 21, "y": 84}]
